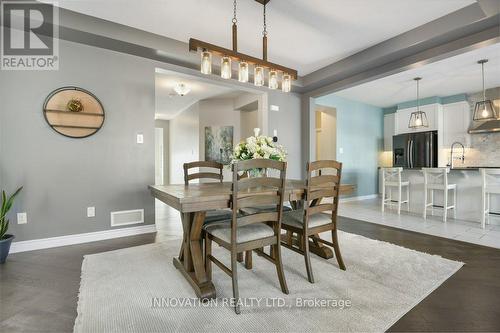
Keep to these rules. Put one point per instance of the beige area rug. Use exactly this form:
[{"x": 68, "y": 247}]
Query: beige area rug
[{"x": 139, "y": 290}]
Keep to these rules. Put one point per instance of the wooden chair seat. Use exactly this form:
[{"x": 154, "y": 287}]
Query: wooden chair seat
[
  {"x": 247, "y": 233},
  {"x": 295, "y": 219}
]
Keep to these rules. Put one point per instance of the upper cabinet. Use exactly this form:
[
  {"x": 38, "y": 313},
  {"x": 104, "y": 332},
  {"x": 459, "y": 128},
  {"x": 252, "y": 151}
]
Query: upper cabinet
[
  {"x": 456, "y": 122},
  {"x": 389, "y": 130},
  {"x": 432, "y": 111}
]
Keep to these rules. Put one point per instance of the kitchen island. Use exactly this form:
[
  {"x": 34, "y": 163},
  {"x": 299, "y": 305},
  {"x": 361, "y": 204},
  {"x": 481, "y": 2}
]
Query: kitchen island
[{"x": 468, "y": 180}]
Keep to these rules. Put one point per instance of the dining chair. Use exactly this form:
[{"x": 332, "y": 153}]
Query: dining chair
[
  {"x": 246, "y": 233},
  {"x": 392, "y": 179},
  {"x": 206, "y": 170},
  {"x": 323, "y": 183}
]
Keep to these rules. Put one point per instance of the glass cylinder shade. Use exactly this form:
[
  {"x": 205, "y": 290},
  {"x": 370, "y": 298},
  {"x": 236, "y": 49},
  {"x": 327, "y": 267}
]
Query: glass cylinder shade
[
  {"x": 225, "y": 68},
  {"x": 418, "y": 119},
  {"x": 273, "y": 79},
  {"x": 243, "y": 72},
  {"x": 258, "y": 76},
  {"x": 484, "y": 110},
  {"x": 286, "y": 84},
  {"x": 206, "y": 62}
]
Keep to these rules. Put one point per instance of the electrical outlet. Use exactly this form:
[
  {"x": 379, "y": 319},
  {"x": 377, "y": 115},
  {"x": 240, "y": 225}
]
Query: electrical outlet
[
  {"x": 22, "y": 218},
  {"x": 90, "y": 211},
  {"x": 140, "y": 138},
  {"x": 275, "y": 108}
]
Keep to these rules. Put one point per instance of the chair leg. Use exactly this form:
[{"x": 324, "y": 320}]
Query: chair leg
[
  {"x": 307, "y": 258},
  {"x": 239, "y": 257},
  {"x": 488, "y": 207},
  {"x": 408, "y": 197},
  {"x": 336, "y": 248},
  {"x": 399, "y": 200},
  {"x": 248, "y": 259},
  {"x": 432, "y": 202},
  {"x": 279, "y": 268},
  {"x": 383, "y": 198},
  {"x": 208, "y": 262},
  {"x": 234, "y": 276},
  {"x": 445, "y": 205},
  {"x": 425, "y": 203},
  {"x": 455, "y": 203}
]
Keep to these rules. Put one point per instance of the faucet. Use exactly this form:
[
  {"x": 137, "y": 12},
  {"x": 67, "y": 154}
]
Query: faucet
[{"x": 451, "y": 153}]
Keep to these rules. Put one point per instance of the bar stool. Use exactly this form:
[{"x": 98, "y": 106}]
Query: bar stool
[
  {"x": 437, "y": 179},
  {"x": 391, "y": 178},
  {"x": 490, "y": 185}
]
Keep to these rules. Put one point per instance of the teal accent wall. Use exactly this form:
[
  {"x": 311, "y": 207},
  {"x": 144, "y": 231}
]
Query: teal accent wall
[
  {"x": 426, "y": 101},
  {"x": 360, "y": 132}
]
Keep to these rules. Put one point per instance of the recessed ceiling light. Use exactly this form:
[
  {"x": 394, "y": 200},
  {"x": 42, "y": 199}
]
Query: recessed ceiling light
[{"x": 181, "y": 89}]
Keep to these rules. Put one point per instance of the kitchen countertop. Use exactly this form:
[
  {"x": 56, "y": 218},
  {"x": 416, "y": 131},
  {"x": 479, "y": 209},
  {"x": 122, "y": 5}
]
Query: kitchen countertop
[{"x": 472, "y": 168}]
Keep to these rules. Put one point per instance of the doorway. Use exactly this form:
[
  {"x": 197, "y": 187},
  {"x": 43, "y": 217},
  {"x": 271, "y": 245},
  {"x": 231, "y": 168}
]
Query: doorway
[{"x": 326, "y": 133}]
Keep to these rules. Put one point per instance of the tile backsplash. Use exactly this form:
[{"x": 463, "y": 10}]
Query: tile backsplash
[{"x": 485, "y": 147}]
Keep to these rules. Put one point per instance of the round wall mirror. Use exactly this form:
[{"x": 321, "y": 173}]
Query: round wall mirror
[{"x": 73, "y": 112}]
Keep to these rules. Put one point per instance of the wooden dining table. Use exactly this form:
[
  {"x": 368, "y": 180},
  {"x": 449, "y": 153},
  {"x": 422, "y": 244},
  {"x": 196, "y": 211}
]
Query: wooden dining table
[{"x": 193, "y": 201}]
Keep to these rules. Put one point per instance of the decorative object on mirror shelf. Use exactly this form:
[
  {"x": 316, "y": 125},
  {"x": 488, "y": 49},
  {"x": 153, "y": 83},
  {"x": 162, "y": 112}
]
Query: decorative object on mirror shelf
[
  {"x": 6, "y": 239},
  {"x": 244, "y": 60},
  {"x": 484, "y": 109},
  {"x": 418, "y": 119},
  {"x": 218, "y": 144},
  {"x": 258, "y": 146},
  {"x": 75, "y": 105},
  {"x": 181, "y": 89},
  {"x": 73, "y": 112}
]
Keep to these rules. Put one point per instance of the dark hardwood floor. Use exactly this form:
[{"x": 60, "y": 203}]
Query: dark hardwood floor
[{"x": 38, "y": 290}]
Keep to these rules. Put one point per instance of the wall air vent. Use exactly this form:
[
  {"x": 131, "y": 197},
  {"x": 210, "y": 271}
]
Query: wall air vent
[{"x": 126, "y": 217}]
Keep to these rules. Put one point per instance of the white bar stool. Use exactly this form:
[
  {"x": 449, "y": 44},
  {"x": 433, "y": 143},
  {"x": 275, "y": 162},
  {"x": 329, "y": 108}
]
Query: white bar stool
[
  {"x": 437, "y": 179},
  {"x": 391, "y": 179},
  {"x": 490, "y": 185}
]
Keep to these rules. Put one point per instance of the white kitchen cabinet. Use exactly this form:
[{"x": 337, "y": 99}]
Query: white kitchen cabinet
[
  {"x": 389, "y": 130},
  {"x": 456, "y": 122},
  {"x": 432, "y": 111}
]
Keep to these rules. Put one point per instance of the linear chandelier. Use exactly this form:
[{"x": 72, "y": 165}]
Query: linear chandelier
[{"x": 260, "y": 66}]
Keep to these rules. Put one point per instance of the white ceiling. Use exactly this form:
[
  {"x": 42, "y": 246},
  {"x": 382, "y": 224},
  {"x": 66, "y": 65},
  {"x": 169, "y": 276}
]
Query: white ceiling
[
  {"x": 455, "y": 75},
  {"x": 169, "y": 104},
  {"x": 303, "y": 34}
]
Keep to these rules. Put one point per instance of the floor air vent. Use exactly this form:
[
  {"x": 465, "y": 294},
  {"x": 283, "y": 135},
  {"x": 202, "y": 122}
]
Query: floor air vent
[{"x": 125, "y": 217}]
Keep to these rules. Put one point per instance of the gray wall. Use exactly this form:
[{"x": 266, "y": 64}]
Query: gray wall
[
  {"x": 288, "y": 123},
  {"x": 165, "y": 124},
  {"x": 62, "y": 176}
]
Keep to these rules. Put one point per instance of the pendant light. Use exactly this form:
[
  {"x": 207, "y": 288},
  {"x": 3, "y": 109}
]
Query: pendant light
[
  {"x": 484, "y": 109},
  {"x": 243, "y": 71},
  {"x": 286, "y": 84},
  {"x": 258, "y": 76},
  {"x": 273, "y": 79},
  {"x": 225, "y": 67},
  {"x": 206, "y": 62},
  {"x": 418, "y": 119}
]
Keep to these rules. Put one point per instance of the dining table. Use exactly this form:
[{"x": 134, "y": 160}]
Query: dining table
[{"x": 193, "y": 201}]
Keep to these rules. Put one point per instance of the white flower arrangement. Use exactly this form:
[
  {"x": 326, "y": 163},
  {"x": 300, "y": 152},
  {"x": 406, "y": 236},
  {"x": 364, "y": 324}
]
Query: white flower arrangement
[{"x": 259, "y": 147}]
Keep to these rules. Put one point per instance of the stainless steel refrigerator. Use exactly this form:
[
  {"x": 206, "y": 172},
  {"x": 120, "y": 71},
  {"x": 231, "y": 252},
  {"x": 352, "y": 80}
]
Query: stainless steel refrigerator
[{"x": 415, "y": 150}]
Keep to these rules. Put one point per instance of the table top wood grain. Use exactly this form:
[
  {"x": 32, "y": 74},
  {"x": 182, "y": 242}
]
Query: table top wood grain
[{"x": 207, "y": 196}]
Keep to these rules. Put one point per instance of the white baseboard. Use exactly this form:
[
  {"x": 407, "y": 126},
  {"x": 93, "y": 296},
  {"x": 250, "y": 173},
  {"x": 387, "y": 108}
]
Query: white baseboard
[
  {"x": 363, "y": 197},
  {"x": 45, "y": 243}
]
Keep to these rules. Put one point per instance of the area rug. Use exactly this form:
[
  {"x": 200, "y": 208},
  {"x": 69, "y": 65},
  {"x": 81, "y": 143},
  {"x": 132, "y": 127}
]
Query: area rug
[{"x": 139, "y": 290}]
